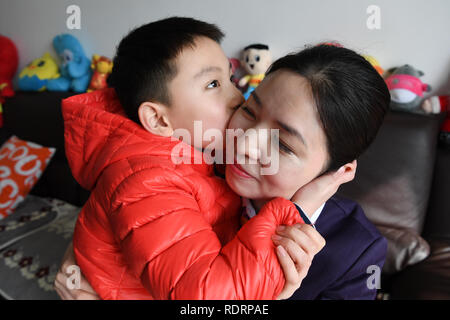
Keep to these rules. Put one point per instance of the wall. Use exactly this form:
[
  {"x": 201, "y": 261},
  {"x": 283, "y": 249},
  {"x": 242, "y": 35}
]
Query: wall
[{"x": 412, "y": 31}]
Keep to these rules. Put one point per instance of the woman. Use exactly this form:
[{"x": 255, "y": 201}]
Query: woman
[{"x": 328, "y": 104}]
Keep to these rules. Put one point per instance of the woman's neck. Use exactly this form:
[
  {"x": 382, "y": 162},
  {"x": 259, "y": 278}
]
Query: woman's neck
[{"x": 258, "y": 203}]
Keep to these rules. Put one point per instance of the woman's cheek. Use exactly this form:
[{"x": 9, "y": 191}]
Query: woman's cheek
[
  {"x": 285, "y": 182},
  {"x": 275, "y": 186}
]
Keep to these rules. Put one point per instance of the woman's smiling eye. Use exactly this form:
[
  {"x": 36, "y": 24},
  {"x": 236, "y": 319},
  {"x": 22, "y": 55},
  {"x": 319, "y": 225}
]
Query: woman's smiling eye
[
  {"x": 213, "y": 84},
  {"x": 284, "y": 147}
]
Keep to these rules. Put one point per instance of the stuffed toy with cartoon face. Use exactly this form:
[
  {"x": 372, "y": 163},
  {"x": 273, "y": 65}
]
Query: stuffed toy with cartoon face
[
  {"x": 102, "y": 67},
  {"x": 37, "y": 73},
  {"x": 256, "y": 60},
  {"x": 406, "y": 88},
  {"x": 75, "y": 68}
]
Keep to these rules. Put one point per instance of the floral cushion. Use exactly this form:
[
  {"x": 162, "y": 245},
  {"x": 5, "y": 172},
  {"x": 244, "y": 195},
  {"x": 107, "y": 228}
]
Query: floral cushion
[{"x": 32, "y": 243}]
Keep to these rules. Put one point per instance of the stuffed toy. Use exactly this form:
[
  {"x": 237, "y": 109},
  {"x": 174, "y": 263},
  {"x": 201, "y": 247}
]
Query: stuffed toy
[
  {"x": 102, "y": 67},
  {"x": 35, "y": 75},
  {"x": 256, "y": 60},
  {"x": 235, "y": 70},
  {"x": 406, "y": 88},
  {"x": 374, "y": 62},
  {"x": 75, "y": 68},
  {"x": 9, "y": 60},
  {"x": 440, "y": 104}
]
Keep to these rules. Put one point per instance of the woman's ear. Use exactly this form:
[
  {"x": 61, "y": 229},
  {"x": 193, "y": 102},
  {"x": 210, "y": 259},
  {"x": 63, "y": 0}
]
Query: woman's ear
[
  {"x": 347, "y": 172},
  {"x": 154, "y": 119}
]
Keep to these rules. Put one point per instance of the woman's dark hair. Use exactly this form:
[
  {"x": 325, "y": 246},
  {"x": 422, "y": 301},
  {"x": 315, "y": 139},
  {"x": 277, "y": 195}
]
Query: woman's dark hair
[
  {"x": 144, "y": 60},
  {"x": 350, "y": 96}
]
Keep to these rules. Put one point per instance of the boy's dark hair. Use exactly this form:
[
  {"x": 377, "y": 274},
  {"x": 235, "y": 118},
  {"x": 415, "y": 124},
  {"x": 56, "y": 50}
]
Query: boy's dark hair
[
  {"x": 144, "y": 60},
  {"x": 351, "y": 97}
]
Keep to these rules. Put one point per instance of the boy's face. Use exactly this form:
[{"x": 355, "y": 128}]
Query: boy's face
[
  {"x": 282, "y": 101},
  {"x": 202, "y": 90}
]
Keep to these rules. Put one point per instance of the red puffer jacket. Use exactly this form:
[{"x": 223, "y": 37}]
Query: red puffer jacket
[{"x": 153, "y": 229}]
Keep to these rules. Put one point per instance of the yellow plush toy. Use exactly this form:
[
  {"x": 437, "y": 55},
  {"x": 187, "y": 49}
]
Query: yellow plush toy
[
  {"x": 35, "y": 75},
  {"x": 374, "y": 62},
  {"x": 256, "y": 60}
]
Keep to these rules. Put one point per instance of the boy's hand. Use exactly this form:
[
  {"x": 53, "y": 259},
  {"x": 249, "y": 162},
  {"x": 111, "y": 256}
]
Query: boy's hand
[
  {"x": 296, "y": 247},
  {"x": 312, "y": 195},
  {"x": 84, "y": 293}
]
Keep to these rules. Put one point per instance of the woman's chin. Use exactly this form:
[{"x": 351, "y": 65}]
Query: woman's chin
[{"x": 241, "y": 187}]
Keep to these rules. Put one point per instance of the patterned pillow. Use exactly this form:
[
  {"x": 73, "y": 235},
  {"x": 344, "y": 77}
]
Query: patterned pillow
[{"x": 21, "y": 166}]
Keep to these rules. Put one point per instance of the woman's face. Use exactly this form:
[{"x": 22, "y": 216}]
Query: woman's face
[{"x": 282, "y": 101}]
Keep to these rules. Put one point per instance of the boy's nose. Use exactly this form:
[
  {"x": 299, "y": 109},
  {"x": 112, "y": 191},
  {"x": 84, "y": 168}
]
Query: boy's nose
[{"x": 237, "y": 99}]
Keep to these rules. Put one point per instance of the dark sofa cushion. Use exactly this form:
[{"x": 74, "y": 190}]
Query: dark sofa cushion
[
  {"x": 429, "y": 279},
  {"x": 405, "y": 248},
  {"x": 393, "y": 183},
  {"x": 37, "y": 117},
  {"x": 438, "y": 215}
]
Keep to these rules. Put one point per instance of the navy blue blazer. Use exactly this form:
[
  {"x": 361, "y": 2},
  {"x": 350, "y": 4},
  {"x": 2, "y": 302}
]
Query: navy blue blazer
[{"x": 340, "y": 270}]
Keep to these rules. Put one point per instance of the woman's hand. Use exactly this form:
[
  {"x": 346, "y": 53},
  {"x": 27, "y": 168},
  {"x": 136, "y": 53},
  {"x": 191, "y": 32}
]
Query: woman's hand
[
  {"x": 312, "y": 195},
  {"x": 296, "y": 247},
  {"x": 84, "y": 293}
]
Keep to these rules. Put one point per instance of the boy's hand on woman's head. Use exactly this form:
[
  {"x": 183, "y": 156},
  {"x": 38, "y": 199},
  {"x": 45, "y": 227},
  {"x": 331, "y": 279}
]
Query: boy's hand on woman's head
[
  {"x": 84, "y": 293},
  {"x": 315, "y": 193},
  {"x": 296, "y": 247}
]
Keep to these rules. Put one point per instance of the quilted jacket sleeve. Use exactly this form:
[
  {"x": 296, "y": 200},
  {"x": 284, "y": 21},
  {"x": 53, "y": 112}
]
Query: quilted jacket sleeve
[{"x": 174, "y": 251}]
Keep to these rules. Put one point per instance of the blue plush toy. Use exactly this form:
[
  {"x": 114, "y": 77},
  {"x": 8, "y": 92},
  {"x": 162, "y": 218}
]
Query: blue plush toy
[{"x": 75, "y": 68}]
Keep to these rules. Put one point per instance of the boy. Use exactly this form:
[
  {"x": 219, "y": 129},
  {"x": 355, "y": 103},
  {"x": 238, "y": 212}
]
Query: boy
[{"x": 153, "y": 229}]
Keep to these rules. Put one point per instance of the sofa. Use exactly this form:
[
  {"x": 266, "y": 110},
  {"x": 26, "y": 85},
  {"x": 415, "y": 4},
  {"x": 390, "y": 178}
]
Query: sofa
[
  {"x": 402, "y": 183},
  {"x": 35, "y": 236}
]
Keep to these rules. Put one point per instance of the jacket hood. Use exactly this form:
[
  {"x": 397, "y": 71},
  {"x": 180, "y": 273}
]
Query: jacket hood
[{"x": 97, "y": 133}]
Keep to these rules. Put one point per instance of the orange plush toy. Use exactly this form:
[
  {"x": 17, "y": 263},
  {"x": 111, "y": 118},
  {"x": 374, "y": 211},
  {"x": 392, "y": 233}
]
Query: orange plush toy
[
  {"x": 9, "y": 60},
  {"x": 102, "y": 67}
]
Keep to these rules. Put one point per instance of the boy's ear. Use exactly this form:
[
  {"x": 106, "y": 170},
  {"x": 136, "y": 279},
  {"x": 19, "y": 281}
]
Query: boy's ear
[{"x": 154, "y": 119}]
